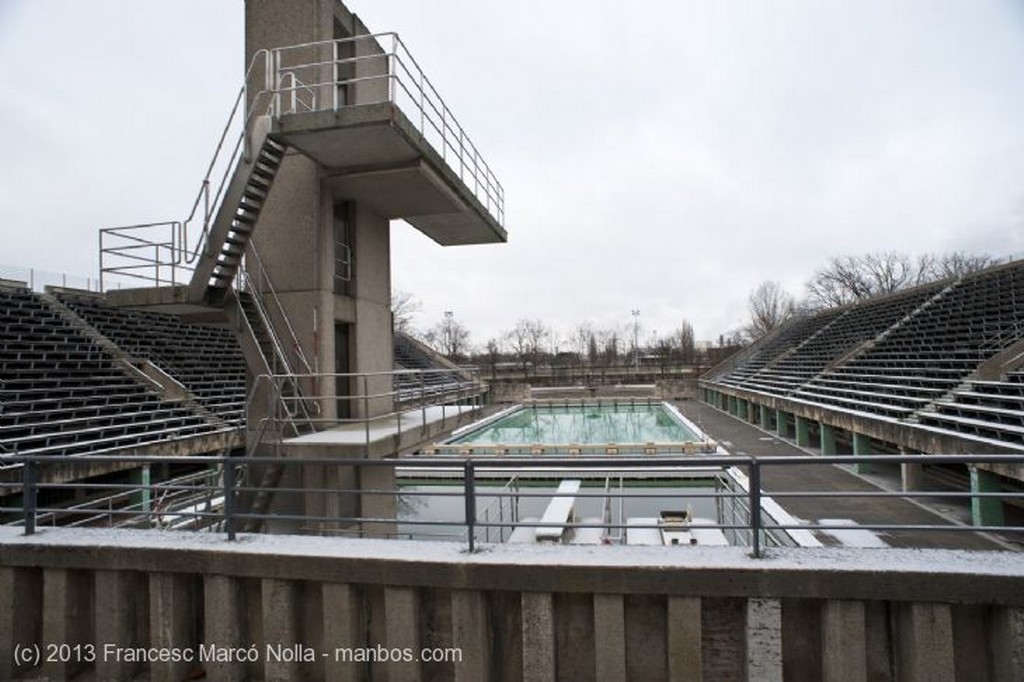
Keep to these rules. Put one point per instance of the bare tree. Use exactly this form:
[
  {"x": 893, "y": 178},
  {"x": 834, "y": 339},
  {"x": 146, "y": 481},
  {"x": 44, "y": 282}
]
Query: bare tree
[
  {"x": 450, "y": 337},
  {"x": 526, "y": 341},
  {"x": 685, "y": 343},
  {"x": 404, "y": 307},
  {"x": 770, "y": 306},
  {"x": 935, "y": 267},
  {"x": 582, "y": 336}
]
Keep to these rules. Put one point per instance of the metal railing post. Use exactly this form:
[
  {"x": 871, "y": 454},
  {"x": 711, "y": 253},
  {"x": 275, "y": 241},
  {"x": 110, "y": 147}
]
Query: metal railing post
[
  {"x": 755, "y": 508},
  {"x": 229, "y": 499},
  {"x": 29, "y": 491},
  {"x": 469, "y": 488},
  {"x": 366, "y": 407}
]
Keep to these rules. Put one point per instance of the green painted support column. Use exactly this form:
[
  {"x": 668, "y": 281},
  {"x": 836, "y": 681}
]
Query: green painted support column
[
  {"x": 744, "y": 409},
  {"x": 861, "y": 446},
  {"x": 986, "y": 511},
  {"x": 803, "y": 435},
  {"x": 140, "y": 478},
  {"x": 782, "y": 423},
  {"x": 734, "y": 407},
  {"x": 766, "y": 422},
  {"x": 827, "y": 438}
]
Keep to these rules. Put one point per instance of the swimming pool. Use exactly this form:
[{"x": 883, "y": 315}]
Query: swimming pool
[{"x": 581, "y": 428}]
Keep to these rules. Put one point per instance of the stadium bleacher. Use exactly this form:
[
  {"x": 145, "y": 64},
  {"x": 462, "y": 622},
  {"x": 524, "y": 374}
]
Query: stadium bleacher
[
  {"x": 62, "y": 394},
  {"x": 911, "y": 357}
]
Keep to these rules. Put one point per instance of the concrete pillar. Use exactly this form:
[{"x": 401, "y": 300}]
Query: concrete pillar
[
  {"x": 402, "y": 629},
  {"x": 803, "y": 436},
  {"x": 861, "y": 446},
  {"x": 911, "y": 476},
  {"x": 1007, "y": 646},
  {"x": 172, "y": 623},
  {"x": 342, "y": 632},
  {"x": 985, "y": 511},
  {"x": 116, "y": 616},
  {"x": 782, "y": 423},
  {"x": 374, "y": 505},
  {"x": 20, "y": 619},
  {"x": 281, "y": 630},
  {"x": 224, "y": 616},
  {"x": 609, "y": 637},
  {"x": 470, "y": 635},
  {"x": 67, "y": 615},
  {"x": 764, "y": 639},
  {"x": 140, "y": 478},
  {"x": 685, "y": 659},
  {"x": 925, "y": 642},
  {"x": 828, "y": 440},
  {"x": 843, "y": 642},
  {"x": 538, "y": 620}
]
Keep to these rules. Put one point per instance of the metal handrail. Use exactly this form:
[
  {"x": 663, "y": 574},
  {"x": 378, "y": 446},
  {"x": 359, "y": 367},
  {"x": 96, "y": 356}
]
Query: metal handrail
[
  {"x": 469, "y": 472},
  {"x": 402, "y": 81},
  {"x": 177, "y": 241}
]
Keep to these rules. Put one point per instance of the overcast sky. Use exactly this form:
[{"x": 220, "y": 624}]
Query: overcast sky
[{"x": 665, "y": 156}]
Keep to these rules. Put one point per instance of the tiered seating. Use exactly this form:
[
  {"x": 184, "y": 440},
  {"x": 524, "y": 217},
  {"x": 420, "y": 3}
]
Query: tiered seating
[
  {"x": 986, "y": 409},
  {"x": 859, "y": 325},
  {"x": 433, "y": 378},
  {"x": 61, "y": 394},
  {"x": 775, "y": 346},
  {"x": 206, "y": 360},
  {"x": 932, "y": 353}
]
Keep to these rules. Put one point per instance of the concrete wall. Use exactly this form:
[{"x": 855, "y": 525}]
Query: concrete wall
[{"x": 296, "y": 607}]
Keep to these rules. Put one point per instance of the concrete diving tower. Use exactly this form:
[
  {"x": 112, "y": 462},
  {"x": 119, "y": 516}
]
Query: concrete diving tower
[{"x": 363, "y": 109}]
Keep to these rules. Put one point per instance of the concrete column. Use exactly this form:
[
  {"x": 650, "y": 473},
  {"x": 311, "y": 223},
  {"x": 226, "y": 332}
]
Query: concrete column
[
  {"x": 925, "y": 642},
  {"x": 342, "y": 632},
  {"x": 470, "y": 635},
  {"x": 1007, "y": 647},
  {"x": 782, "y": 423},
  {"x": 861, "y": 446},
  {"x": 66, "y": 617},
  {"x": 281, "y": 630},
  {"x": 224, "y": 617},
  {"x": 116, "y": 616},
  {"x": 172, "y": 623},
  {"x": 803, "y": 436},
  {"x": 911, "y": 476},
  {"x": 685, "y": 658},
  {"x": 377, "y": 506},
  {"x": 828, "y": 440},
  {"x": 402, "y": 630},
  {"x": 609, "y": 637},
  {"x": 538, "y": 619},
  {"x": 140, "y": 478},
  {"x": 843, "y": 642},
  {"x": 764, "y": 640},
  {"x": 20, "y": 620},
  {"x": 985, "y": 511}
]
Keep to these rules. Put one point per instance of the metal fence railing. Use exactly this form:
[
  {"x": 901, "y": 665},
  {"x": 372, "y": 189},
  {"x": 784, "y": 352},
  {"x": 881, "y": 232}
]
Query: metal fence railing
[{"x": 472, "y": 500}]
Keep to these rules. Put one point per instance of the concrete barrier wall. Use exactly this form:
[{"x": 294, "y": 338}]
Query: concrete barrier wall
[{"x": 167, "y": 605}]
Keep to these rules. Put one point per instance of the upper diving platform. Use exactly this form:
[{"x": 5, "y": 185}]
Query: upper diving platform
[{"x": 363, "y": 109}]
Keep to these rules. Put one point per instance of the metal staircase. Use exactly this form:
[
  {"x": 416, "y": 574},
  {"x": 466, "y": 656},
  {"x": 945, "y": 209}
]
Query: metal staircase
[{"x": 236, "y": 218}]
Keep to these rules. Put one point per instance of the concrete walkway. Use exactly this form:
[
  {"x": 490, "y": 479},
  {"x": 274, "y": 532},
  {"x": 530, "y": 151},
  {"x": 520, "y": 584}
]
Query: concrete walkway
[{"x": 741, "y": 438}]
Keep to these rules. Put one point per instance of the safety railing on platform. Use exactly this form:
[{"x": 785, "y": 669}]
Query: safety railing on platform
[
  {"x": 374, "y": 69},
  {"x": 208, "y": 498},
  {"x": 164, "y": 253},
  {"x": 368, "y": 406}
]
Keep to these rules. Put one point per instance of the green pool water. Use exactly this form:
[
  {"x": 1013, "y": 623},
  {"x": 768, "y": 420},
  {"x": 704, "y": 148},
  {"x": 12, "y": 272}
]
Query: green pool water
[{"x": 584, "y": 425}]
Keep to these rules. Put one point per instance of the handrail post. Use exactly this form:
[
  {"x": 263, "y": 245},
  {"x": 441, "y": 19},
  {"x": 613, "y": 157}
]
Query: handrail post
[
  {"x": 755, "y": 507},
  {"x": 29, "y": 491},
  {"x": 229, "y": 499},
  {"x": 366, "y": 407},
  {"x": 469, "y": 488}
]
